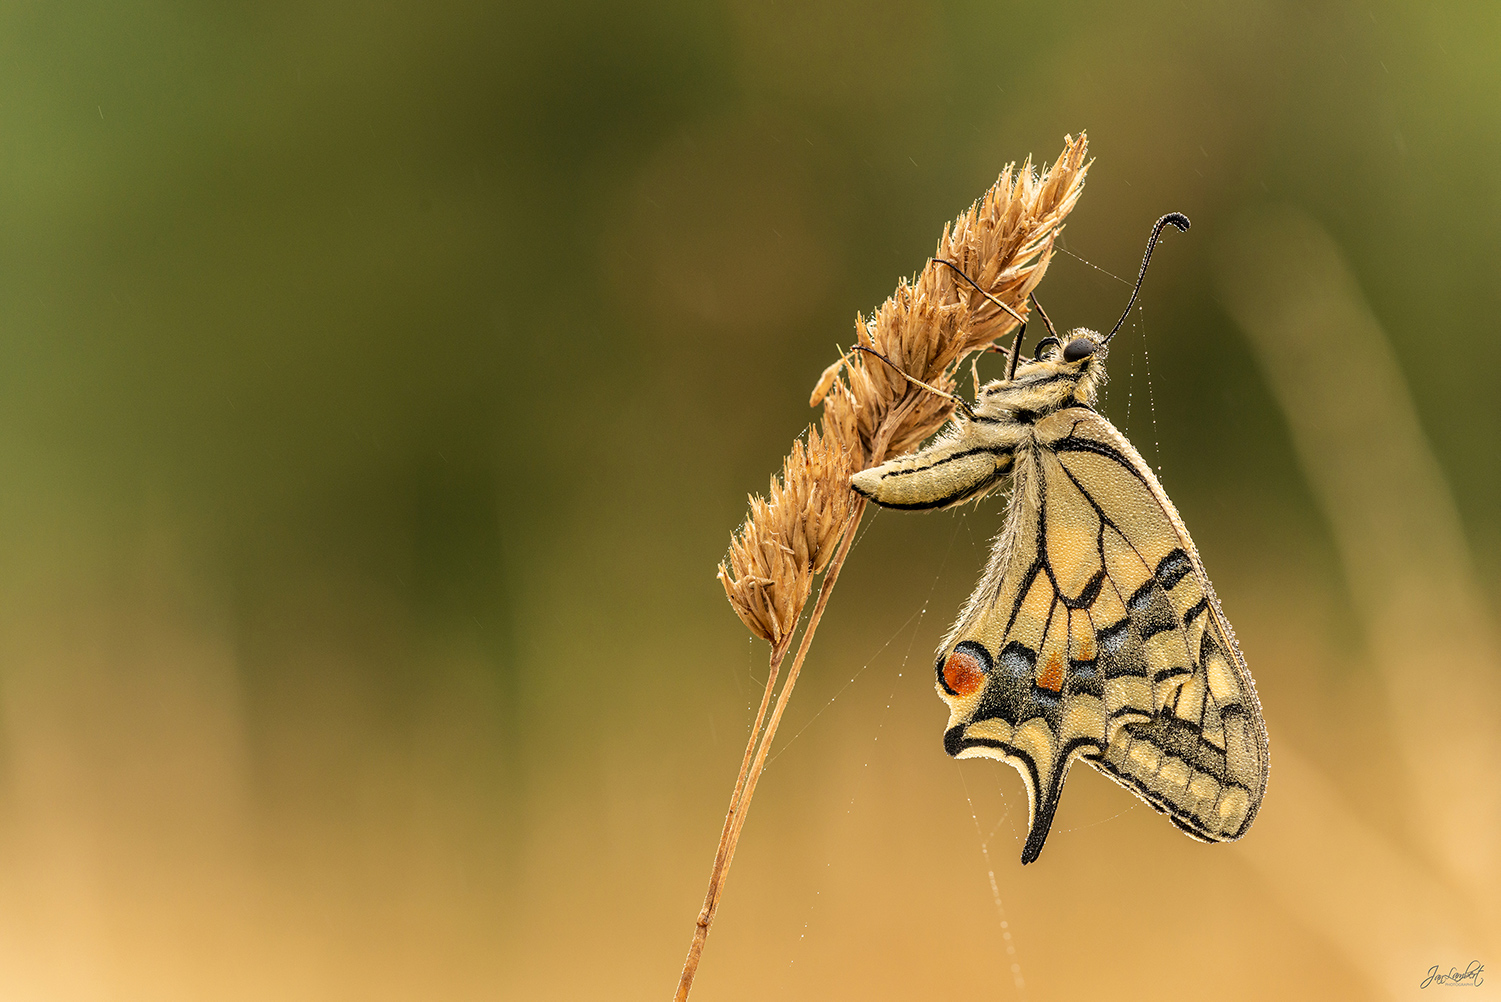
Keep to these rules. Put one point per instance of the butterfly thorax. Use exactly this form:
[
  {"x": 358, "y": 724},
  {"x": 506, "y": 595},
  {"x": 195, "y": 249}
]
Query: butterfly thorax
[{"x": 976, "y": 452}]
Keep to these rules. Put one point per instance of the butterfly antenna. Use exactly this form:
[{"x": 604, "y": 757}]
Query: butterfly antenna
[
  {"x": 960, "y": 272},
  {"x": 1016, "y": 342},
  {"x": 1180, "y": 221},
  {"x": 918, "y": 382},
  {"x": 1052, "y": 336},
  {"x": 1052, "y": 331}
]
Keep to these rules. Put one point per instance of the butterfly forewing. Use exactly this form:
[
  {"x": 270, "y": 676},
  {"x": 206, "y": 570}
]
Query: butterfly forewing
[{"x": 1101, "y": 638}]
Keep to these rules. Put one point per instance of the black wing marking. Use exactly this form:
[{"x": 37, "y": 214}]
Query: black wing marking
[{"x": 1108, "y": 644}]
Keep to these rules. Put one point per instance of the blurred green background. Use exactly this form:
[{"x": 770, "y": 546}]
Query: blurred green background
[{"x": 379, "y": 387}]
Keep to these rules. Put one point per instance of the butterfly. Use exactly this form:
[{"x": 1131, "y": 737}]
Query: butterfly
[{"x": 1094, "y": 632}]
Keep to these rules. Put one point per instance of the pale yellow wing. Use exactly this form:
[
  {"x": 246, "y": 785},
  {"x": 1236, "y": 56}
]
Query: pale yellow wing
[{"x": 1096, "y": 634}]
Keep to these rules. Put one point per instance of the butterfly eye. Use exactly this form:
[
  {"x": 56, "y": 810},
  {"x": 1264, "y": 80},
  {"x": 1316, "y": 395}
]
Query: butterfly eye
[{"x": 1079, "y": 347}]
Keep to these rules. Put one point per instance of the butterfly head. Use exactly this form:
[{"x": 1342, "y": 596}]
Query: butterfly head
[
  {"x": 1059, "y": 374},
  {"x": 1083, "y": 355}
]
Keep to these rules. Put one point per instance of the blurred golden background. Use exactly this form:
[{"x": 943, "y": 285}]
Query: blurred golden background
[{"x": 379, "y": 387}]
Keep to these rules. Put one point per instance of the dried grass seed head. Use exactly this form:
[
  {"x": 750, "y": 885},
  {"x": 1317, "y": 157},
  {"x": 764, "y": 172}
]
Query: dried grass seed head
[
  {"x": 789, "y": 537},
  {"x": 1004, "y": 242}
]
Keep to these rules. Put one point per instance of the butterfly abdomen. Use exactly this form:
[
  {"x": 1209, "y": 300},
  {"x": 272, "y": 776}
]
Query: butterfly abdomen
[{"x": 964, "y": 465}]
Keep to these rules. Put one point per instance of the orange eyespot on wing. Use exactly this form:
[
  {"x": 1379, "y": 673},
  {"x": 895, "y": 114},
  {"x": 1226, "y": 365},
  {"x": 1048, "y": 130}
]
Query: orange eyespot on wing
[{"x": 962, "y": 673}]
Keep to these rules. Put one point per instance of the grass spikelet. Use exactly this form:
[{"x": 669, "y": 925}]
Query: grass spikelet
[
  {"x": 1005, "y": 243},
  {"x": 789, "y": 538},
  {"x": 805, "y": 524}
]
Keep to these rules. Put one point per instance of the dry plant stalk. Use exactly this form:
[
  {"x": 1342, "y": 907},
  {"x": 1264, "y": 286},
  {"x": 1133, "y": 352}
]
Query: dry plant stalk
[{"x": 806, "y": 523}]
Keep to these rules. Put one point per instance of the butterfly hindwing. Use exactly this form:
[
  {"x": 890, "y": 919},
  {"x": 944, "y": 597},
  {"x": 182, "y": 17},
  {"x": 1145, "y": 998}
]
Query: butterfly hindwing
[{"x": 1098, "y": 635}]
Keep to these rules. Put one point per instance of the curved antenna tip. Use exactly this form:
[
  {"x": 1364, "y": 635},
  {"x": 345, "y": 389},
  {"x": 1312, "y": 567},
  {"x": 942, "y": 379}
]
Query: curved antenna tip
[
  {"x": 1178, "y": 219},
  {"x": 1179, "y": 222}
]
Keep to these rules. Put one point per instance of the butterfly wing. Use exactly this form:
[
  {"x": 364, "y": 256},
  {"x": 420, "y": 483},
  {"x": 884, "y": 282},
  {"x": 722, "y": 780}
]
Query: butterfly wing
[{"x": 1095, "y": 633}]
